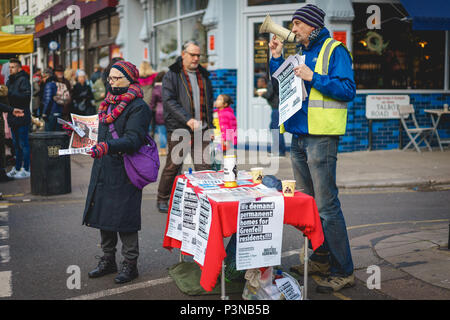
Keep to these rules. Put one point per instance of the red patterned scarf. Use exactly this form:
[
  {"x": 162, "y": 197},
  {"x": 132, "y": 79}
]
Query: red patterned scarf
[
  {"x": 201, "y": 87},
  {"x": 120, "y": 101}
]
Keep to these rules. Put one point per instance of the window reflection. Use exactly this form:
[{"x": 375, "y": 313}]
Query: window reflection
[
  {"x": 166, "y": 44},
  {"x": 165, "y": 9},
  {"x": 260, "y": 58}
]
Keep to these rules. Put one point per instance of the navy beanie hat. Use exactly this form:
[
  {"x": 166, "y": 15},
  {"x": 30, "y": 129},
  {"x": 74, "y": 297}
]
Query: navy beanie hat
[{"x": 311, "y": 15}]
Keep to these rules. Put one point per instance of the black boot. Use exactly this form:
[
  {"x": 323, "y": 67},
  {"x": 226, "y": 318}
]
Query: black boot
[
  {"x": 128, "y": 272},
  {"x": 107, "y": 265}
]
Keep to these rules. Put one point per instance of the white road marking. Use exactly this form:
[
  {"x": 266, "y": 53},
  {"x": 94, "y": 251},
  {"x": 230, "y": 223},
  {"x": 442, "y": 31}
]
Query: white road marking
[
  {"x": 120, "y": 290},
  {"x": 5, "y": 284},
  {"x": 4, "y": 232},
  {"x": 4, "y": 254},
  {"x": 4, "y": 216}
]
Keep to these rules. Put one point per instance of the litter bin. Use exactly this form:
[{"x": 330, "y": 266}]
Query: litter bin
[{"x": 50, "y": 173}]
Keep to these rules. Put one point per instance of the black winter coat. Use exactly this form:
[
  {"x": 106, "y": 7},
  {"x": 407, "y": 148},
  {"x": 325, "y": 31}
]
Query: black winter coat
[
  {"x": 19, "y": 96},
  {"x": 113, "y": 203},
  {"x": 177, "y": 101}
]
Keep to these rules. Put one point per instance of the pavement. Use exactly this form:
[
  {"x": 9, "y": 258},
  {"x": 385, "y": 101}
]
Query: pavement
[{"x": 414, "y": 262}]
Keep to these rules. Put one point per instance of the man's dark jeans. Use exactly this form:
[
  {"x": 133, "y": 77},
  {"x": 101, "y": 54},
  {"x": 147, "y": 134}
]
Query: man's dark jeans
[
  {"x": 314, "y": 164},
  {"x": 21, "y": 146}
]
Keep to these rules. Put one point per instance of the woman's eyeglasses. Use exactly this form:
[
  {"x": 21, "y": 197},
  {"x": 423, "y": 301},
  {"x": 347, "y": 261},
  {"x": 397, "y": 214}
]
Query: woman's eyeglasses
[{"x": 113, "y": 79}]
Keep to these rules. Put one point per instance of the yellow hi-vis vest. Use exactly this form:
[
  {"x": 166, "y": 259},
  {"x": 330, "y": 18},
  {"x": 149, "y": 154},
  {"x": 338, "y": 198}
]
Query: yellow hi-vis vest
[{"x": 326, "y": 116}]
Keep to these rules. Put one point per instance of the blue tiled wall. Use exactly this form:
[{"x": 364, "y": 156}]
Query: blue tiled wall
[
  {"x": 385, "y": 133},
  {"x": 224, "y": 81}
]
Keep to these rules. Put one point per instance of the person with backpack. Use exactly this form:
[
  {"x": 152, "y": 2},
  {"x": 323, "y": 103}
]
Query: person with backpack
[
  {"x": 56, "y": 100},
  {"x": 82, "y": 96}
]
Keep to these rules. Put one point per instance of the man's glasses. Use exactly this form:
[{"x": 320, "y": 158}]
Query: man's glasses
[
  {"x": 193, "y": 55},
  {"x": 114, "y": 79}
]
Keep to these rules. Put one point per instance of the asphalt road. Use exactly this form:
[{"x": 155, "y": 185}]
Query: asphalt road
[{"x": 45, "y": 239}]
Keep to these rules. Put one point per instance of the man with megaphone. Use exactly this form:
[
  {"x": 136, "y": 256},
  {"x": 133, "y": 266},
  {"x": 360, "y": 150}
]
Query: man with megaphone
[{"x": 316, "y": 127}]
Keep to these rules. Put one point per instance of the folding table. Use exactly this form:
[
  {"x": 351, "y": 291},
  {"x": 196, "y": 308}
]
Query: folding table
[{"x": 300, "y": 211}]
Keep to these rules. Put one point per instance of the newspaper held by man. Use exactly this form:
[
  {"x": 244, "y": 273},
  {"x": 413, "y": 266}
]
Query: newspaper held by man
[{"x": 292, "y": 91}]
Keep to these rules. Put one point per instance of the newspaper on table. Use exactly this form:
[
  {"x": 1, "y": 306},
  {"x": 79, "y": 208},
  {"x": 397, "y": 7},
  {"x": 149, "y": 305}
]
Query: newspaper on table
[
  {"x": 259, "y": 233},
  {"x": 82, "y": 144},
  {"x": 190, "y": 221},
  {"x": 241, "y": 193},
  {"x": 175, "y": 228},
  {"x": 203, "y": 227},
  {"x": 292, "y": 90}
]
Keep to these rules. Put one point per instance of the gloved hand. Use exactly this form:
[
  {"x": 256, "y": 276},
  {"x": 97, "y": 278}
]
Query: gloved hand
[{"x": 99, "y": 150}]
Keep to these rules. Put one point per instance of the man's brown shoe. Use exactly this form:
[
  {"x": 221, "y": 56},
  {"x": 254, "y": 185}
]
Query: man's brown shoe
[{"x": 333, "y": 283}]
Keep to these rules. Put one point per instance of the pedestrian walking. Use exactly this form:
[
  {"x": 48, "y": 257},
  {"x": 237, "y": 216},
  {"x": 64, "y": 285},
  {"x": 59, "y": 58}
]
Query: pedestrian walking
[
  {"x": 19, "y": 96},
  {"x": 113, "y": 204},
  {"x": 315, "y": 129},
  {"x": 188, "y": 105}
]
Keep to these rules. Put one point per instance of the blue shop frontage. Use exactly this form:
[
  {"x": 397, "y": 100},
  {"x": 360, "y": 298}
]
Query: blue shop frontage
[{"x": 400, "y": 49}]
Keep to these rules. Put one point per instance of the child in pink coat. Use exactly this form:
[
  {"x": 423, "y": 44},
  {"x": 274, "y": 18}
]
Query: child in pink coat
[{"x": 226, "y": 123}]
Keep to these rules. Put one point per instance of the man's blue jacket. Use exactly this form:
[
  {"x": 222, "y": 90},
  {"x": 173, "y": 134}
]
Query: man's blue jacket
[{"x": 339, "y": 84}]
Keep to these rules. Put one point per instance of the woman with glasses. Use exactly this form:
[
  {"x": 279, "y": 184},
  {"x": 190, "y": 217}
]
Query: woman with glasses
[{"x": 113, "y": 203}]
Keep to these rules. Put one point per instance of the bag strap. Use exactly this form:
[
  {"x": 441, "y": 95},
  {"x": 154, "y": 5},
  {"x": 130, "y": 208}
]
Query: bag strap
[{"x": 112, "y": 129}]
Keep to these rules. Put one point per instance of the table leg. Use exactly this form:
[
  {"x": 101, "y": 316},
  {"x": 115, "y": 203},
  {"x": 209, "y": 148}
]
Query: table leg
[
  {"x": 305, "y": 277},
  {"x": 222, "y": 283},
  {"x": 435, "y": 130}
]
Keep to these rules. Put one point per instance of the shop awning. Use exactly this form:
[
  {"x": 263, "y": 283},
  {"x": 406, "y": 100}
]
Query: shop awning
[
  {"x": 428, "y": 15},
  {"x": 16, "y": 43}
]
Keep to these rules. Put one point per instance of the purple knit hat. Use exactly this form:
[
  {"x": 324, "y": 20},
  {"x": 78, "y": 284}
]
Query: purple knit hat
[
  {"x": 311, "y": 15},
  {"x": 128, "y": 69}
]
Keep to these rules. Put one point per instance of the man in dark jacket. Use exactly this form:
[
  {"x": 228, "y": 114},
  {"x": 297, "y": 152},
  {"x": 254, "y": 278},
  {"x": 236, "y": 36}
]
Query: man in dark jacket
[
  {"x": 188, "y": 105},
  {"x": 19, "y": 96}
]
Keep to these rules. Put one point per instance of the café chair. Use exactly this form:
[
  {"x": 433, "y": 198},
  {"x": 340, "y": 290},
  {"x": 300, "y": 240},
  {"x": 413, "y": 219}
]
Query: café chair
[{"x": 412, "y": 128}]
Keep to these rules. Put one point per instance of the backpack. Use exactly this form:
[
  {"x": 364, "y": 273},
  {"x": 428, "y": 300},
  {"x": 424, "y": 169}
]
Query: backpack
[{"x": 62, "y": 95}]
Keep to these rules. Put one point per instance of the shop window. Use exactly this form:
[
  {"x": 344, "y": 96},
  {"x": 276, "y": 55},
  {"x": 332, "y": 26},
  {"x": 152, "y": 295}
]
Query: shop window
[
  {"x": 271, "y": 2},
  {"x": 103, "y": 29},
  {"x": 192, "y": 29},
  {"x": 395, "y": 56},
  {"x": 260, "y": 57},
  {"x": 173, "y": 29},
  {"x": 93, "y": 33},
  {"x": 188, "y": 6},
  {"x": 165, "y": 9},
  {"x": 115, "y": 24},
  {"x": 166, "y": 44}
]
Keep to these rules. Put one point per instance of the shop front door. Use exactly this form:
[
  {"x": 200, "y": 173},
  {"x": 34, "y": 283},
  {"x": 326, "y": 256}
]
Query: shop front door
[{"x": 257, "y": 74}]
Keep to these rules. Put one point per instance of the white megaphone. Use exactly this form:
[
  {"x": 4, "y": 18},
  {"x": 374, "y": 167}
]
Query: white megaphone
[{"x": 268, "y": 26}]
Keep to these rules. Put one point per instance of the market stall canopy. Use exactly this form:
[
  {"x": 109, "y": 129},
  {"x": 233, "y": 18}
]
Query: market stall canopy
[
  {"x": 428, "y": 15},
  {"x": 16, "y": 43}
]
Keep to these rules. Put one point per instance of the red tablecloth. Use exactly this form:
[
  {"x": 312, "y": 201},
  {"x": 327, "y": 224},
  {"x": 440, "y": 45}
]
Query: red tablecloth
[{"x": 299, "y": 211}]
